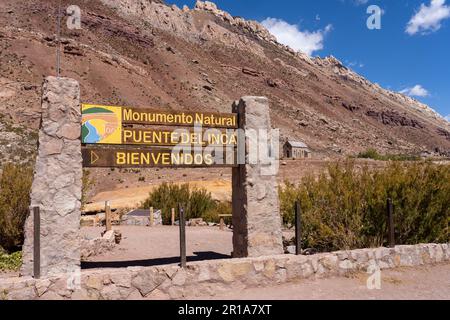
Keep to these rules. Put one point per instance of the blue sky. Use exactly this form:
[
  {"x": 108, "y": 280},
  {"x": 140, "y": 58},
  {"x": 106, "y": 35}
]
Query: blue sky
[{"x": 410, "y": 53}]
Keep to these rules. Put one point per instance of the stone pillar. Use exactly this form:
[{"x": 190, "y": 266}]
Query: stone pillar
[
  {"x": 57, "y": 183},
  {"x": 256, "y": 209}
]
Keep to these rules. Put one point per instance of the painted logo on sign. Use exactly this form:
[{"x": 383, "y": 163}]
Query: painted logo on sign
[{"x": 101, "y": 124}]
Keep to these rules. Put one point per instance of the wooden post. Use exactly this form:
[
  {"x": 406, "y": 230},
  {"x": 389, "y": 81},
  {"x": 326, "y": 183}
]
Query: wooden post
[
  {"x": 173, "y": 217},
  {"x": 182, "y": 238},
  {"x": 108, "y": 216},
  {"x": 152, "y": 217},
  {"x": 298, "y": 228},
  {"x": 222, "y": 224},
  {"x": 37, "y": 243},
  {"x": 390, "y": 219}
]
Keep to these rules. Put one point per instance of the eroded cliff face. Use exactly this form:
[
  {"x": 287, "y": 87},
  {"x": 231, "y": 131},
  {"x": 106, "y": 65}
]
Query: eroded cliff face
[
  {"x": 145, "y": 53},
  {"x": 182, "y": 22}
]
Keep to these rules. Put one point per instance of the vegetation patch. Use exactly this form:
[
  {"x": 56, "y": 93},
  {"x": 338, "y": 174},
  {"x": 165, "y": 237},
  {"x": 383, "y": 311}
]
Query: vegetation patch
[
  {"x": 15, "y": 188},
  {"x": 197, "y": 202},
  {"x": 10, "y": 262},
  {"x": 345, "y": 208},
  {"x": 373, "y": 154}
]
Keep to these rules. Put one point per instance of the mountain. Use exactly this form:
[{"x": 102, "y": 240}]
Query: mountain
[{"x": 147, "y": 54}]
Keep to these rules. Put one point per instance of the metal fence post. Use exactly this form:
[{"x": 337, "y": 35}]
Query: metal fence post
[
  {"x": 182, "y": 237},
  {"x": 390, "y": 219},
  {"x": 37, "y": 243},
  {"x": 298, "y": 228}
]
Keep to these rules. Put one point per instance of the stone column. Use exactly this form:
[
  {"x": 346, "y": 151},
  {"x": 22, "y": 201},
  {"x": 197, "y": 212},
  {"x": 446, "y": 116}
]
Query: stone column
[
  {"x": 256, "y": 209},
  {"x": 57, "y": 183}
]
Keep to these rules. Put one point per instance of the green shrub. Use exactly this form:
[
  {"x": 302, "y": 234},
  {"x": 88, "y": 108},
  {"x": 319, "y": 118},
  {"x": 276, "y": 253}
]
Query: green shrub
[
  {"x": 10, "y": 262},
  {"x": 220, "y": 208},
  {"x": 200, "y": 203},
  {"x": 373, "y": 154},
  {"x": 197, "y": 203},
  {"x": 15, "y": 187},
  {"x": 346, "y": 208},
  {"x": 369, "y": 154}
]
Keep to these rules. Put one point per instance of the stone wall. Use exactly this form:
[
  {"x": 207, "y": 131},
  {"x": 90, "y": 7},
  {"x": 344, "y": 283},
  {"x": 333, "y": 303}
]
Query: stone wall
[
  {"x": 213, "y": 277},
  {"x": 56, "y": 188},
  {"x": 132, "y": 220},
  {"x": 97, "y": 246}
]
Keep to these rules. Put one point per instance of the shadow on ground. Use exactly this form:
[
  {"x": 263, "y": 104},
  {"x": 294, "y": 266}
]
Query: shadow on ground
[{"x": 199, "y": 256}]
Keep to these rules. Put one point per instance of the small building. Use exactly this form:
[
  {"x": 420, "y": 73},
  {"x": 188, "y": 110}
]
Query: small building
[{"x": 296, "y": 150}]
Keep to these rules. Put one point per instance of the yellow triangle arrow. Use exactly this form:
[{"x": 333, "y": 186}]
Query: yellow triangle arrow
[{"x": 94, "y": 157}]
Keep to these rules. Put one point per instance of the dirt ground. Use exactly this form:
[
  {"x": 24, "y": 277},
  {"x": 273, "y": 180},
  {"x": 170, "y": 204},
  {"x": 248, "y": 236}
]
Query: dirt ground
[
  {"x": 144, "y": 246},
  {"x": 422, "y": 283}
]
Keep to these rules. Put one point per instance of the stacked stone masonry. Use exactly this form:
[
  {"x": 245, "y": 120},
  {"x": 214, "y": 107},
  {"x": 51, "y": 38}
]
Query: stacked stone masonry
[
  {"x": 256, "y": 209},
  {"x": 97, "y": 246},
  {"x": 208, "y": 278},
  {"x": 56, "y": 188}
]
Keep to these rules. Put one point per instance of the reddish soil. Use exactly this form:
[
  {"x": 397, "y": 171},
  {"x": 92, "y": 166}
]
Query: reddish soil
[{"x": 206, "y": 64}]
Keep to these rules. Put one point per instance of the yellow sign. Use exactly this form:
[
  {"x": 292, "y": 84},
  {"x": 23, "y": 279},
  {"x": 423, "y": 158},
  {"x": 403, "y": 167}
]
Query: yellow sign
[
  {"x": 209, "y": 137},
  {"x": 173, "y": 118},
  {"x": 104, "y": 125},
  {"x": 101, "y": 124}
]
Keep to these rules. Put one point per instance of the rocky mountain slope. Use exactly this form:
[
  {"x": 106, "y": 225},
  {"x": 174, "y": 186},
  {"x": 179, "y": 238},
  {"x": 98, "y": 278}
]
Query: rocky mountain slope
[{"x": 145, "y": 53}]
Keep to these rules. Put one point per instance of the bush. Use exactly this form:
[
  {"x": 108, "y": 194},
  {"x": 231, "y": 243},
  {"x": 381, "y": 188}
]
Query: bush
[
  {"x": 15, "y": 187},
  {"x": 10, "y": 262},
  {"x": 373, "y": 154},
  {"x": 197, "y": 203},
  {"x": 346, "y": 208},
  {"x": 220, "y": 208},
  {"x": 370, "y": 154}
]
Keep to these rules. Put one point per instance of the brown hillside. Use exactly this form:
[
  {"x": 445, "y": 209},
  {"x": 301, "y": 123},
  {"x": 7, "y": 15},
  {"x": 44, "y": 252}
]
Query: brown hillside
[{"x": 144, "y": 53}]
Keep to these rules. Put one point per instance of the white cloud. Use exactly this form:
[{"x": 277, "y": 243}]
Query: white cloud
[
  {"x": 353, "y": 64},
  {"x": 416, "y": 91},
  {"x": 447, "y": 118},
  {"x": 292, "y": 36},
  {"x": 428, "y": 18}
]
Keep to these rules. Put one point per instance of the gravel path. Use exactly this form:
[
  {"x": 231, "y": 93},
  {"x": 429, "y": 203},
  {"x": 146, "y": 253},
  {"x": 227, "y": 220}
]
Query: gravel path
[{"x": 421, "y": 283}]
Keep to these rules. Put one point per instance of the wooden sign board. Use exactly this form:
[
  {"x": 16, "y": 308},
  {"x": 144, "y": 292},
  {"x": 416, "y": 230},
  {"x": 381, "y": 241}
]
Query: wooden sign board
[
  {"x": 185, "y": 137},
  {"x": 156, "y": 157},
  {"x": 104, "y": 124}
]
